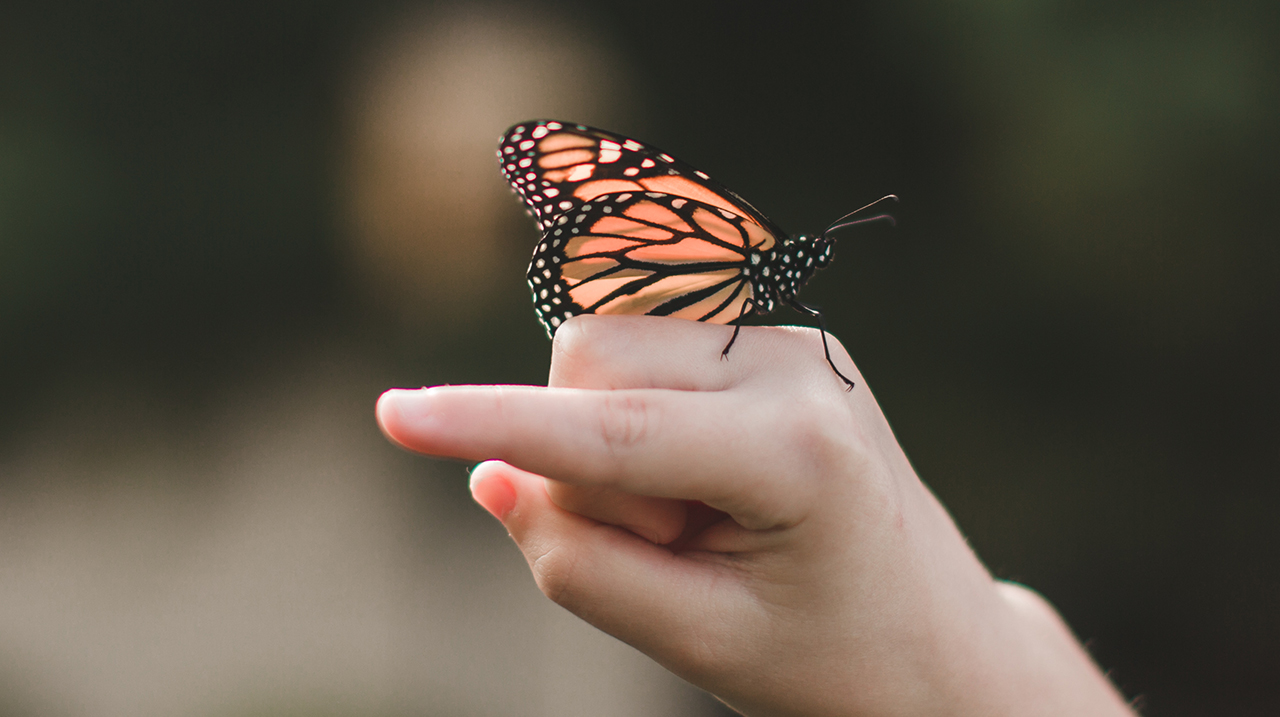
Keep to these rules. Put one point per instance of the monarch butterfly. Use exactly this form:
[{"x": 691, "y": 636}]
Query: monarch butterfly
[{"x": 629, "y": 229}]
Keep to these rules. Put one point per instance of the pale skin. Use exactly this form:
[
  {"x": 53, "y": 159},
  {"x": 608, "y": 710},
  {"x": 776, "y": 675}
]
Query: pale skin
[{"x": 749, "y": 525}]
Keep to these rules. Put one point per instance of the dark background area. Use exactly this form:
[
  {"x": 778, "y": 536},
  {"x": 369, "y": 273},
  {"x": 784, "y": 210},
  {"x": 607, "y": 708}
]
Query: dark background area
[{"x": 1074, "y": 327}]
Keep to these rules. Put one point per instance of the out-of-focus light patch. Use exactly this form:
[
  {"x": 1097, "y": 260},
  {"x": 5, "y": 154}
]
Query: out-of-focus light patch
[{"x": 433, "y": 226}]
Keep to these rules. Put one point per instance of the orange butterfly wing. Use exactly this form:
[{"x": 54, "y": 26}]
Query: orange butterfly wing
[{"x": 647, "y": 253}]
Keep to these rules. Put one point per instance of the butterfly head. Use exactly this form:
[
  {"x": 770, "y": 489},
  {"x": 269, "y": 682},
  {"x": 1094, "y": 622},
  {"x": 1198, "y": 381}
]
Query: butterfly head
[
  {"x": 796, "y": 259},
  {"x": 823, "y": 248}
]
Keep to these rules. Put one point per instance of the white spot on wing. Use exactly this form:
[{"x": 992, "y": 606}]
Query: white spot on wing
[{"x": 580, "y": 172}]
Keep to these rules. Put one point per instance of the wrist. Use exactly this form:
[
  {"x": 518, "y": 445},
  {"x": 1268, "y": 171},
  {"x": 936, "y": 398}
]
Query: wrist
[{"x": 998, "y": 648}]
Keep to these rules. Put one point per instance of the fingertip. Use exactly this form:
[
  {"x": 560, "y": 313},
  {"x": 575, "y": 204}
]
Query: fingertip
[
  {"x": 493, "y": 490},
  {"x": 389, "y": 412},
  {"x": 410, "y": 418}
]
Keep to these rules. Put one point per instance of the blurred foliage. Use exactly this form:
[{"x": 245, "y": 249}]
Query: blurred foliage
[{"x": 1074, "y": 327}]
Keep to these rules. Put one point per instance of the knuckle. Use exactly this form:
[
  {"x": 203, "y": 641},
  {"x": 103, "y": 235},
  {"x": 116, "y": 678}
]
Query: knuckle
[
  {"x": 553, "y": 572},
  {"x": 828, "y": 434},
  {"x": 566, "y": 354},
  {"x": 568, "y": 340},
  {"x": 576, "y": 353},
  {"x": 501, "y": 404},
  {"x": 626, "y": 421}
]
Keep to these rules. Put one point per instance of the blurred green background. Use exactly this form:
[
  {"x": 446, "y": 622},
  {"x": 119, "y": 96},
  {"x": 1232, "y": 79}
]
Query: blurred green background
[{"x": 215, "y": 218}]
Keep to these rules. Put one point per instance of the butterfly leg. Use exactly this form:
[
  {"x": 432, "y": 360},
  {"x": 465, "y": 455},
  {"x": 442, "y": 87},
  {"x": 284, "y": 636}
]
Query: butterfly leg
[
  {"x": 737, "y": 326},
  {"x": 822, "y": 326},
  {"x": 725, "y": 354}
]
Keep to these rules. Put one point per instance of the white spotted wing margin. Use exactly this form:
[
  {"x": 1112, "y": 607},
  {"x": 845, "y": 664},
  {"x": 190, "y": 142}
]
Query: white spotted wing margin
[{"x": 555, "y": 167}]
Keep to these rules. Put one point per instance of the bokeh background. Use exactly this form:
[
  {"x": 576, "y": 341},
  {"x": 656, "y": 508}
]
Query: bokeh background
[{"x": 226, "y": 227}]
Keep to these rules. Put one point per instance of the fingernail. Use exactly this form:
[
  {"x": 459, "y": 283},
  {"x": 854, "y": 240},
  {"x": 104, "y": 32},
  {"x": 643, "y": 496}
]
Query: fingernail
[
  {"x": 391, "y": 405},
  {"x": 404, "y": 407},
  {"x": 493, "y": 492}
]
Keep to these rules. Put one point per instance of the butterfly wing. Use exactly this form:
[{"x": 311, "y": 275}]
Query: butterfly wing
[
  {"x": 647, "y": 253},
  {"x": 556, "y": 167}
]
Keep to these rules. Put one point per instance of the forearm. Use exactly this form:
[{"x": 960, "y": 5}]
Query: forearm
[{"x": 1051, "y": 672}]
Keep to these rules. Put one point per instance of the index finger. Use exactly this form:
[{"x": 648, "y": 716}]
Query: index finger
[{"x": 656, "y": 442}]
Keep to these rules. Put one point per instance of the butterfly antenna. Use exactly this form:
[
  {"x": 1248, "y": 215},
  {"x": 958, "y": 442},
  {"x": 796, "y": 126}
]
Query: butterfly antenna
[{"x": 841, "y": 223}]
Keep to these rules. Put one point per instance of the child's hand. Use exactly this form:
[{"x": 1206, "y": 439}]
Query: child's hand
[{"x": 776, "y": 547}]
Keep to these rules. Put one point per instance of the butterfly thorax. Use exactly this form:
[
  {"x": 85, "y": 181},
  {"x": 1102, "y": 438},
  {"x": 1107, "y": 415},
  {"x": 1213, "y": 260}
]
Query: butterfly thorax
[{"x": 778, "y": 274}]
